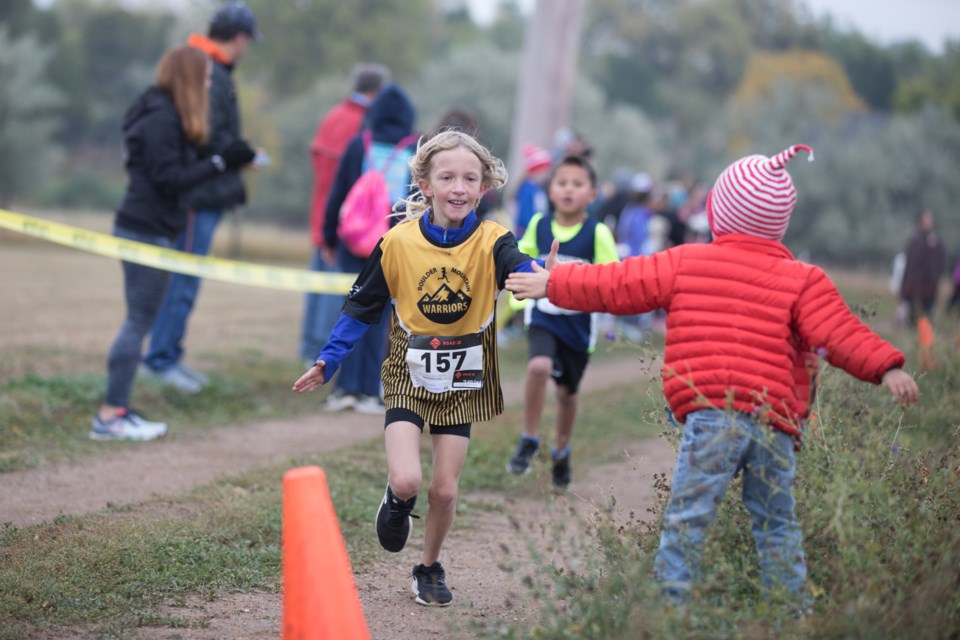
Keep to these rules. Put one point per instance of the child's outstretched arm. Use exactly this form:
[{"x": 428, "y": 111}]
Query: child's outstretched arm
[
  {"x": 312, "y": 379},
  {"x": 903, "y": 387},
  {"x": 529, "y": 285}
]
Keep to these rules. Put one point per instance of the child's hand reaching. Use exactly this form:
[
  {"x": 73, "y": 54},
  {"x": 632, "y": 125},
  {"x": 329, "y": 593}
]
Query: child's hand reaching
[
  {"x": 312, "y": 379},
  {"x": 534, "y": 285},
  {"x": 551, "y": 260},
  {"x": 901, "y": 385},
  {"x": 529, "y": 285}
]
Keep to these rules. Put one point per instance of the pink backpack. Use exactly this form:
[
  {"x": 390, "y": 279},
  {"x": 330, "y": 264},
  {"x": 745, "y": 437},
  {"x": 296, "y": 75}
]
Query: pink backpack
[{"x": 364, "y": 212}]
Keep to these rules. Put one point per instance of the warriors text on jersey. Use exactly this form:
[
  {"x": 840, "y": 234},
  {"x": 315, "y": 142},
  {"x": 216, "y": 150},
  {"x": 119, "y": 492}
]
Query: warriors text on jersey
[{"x": 442, "y": 359}]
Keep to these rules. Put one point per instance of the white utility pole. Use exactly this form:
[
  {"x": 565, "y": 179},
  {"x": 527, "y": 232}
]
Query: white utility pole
[{"x": 545, "y": 85}]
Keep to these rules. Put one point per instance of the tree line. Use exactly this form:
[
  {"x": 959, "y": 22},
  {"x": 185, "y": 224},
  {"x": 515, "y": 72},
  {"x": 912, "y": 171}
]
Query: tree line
[{"x": 671, "y": 87}]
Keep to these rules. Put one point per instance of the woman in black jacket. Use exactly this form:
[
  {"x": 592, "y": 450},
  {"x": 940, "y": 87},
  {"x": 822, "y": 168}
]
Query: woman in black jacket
[{"x": 161, "y": 130}]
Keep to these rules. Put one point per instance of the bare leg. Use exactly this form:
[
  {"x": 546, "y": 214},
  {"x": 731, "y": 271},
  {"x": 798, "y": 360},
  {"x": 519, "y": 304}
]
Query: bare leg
[
  {"x": 402, "y": 441},
  {"x": 449, "y": 456},
  {"x": 539, "y": 369}
]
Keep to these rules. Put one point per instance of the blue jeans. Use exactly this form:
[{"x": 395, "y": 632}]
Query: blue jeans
[
  {"x": 360, "y": 370},
  {"x": 143, "y": 289},
  {"x": 166, "y": 339},
  {"x": 320, "y": 313},
  {"x": 715, "y": 446}
]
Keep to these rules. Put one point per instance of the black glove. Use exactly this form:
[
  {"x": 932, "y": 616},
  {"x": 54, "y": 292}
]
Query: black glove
[{"x": 237, "y": 154}]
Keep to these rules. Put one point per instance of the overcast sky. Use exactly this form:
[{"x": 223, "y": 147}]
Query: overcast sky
[{"x": 884, "y": 21}]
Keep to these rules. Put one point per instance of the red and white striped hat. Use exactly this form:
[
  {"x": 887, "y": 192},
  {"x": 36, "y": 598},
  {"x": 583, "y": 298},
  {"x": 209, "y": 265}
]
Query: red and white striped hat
[{"x": 754, "y": 195}]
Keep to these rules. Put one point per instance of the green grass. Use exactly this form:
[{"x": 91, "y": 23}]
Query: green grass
[
  {"x": 115, "y": 571},
  {"x": 878, "y": 498},
  {"x": 46, "y": 419}
]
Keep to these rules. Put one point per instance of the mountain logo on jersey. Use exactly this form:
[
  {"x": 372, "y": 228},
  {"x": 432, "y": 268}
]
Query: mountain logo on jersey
[{"x": 444, "y": 306}]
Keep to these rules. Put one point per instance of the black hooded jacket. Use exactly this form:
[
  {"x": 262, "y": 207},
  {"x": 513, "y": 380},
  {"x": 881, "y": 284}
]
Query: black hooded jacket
[
  {"x": 390, "y": 118},
  {"x": 161, "y": 167},
  {"x": 227, "y": 190}
]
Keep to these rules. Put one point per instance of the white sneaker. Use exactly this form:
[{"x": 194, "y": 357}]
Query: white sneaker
[
  {"x": 137, "y": 418},
  {"x": 370, "y": 405},
  {"x": 190, "y": 372},
  {"x": 338, "y": 401},
  {"x": 174, "y": 377},
  {"x": 126, "y": 427}
]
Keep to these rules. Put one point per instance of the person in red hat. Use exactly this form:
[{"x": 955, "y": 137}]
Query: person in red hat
[
  {"x": 531, "y": 195},
  {"x": 745, "y": 325}
]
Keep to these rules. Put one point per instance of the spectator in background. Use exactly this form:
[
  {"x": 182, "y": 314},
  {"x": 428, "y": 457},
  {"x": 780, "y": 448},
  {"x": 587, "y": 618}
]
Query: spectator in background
[
  {"x": 232, "y": 28},
  {"x": 390, "y": 120},
  {"x": 926, "y": 261},
  {"x": 955, "y": 296},
  {"x": 161, "y": 131},
  {"x": 633, "y": 236},
  {"x": 457, "y": 119},
  {"x": 531, "y": 197},
  {"x": 465, "y": 121},
  {"x": 335, "y": 130},
  {"x": 613, "y": 204}
]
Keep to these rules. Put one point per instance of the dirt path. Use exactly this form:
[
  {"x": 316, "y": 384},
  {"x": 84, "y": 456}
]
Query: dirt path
[
  {"x": 487, "y": 557},
  {"x": 67, "y": 311}
]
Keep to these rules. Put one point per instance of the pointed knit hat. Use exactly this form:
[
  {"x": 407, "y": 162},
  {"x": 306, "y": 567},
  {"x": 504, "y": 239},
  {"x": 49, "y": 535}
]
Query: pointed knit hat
[{"x": 755, "y": 195}]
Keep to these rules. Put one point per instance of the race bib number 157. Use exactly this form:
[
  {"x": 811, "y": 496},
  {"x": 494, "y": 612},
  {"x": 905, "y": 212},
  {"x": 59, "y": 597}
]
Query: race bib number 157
[{"x": 446, "y": 363}]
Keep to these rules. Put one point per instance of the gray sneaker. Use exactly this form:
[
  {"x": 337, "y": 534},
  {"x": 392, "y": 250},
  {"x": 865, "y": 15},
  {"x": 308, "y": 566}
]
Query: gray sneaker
[
  {"x": 174, "y": 376},
  {"x": 190, "y": 372},
  {"x": 129, "y": 426},
  {"x": 338, "y": 401},
  {"x": 370, "y": 405}
]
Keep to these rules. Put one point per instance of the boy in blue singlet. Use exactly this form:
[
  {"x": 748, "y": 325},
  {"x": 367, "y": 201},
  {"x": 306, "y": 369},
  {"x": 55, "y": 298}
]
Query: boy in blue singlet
[{"x": 560, "y": 341}]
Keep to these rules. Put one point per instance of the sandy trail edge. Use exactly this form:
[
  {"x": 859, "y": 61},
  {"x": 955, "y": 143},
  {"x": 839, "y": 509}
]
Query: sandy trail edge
[{"x": 136, "y": 472}]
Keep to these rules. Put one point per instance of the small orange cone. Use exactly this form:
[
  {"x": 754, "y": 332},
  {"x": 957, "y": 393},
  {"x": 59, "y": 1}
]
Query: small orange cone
[
  {"x": 320, "y": 598},
  {"x": 925, "y": 337}
]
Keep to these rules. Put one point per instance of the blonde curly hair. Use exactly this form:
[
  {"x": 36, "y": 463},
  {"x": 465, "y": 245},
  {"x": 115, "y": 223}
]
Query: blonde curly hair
[{"x": 494, "y": 172}]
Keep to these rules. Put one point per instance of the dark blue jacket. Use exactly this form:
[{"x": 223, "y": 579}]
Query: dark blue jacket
[
  {"x": 161, "y": 166},
  {"x": 390, "y": 119}
]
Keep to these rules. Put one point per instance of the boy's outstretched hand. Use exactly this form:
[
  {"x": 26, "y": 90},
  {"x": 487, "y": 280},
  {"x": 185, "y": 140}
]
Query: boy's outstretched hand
[
  {"x": 551, "y": 260},
  {"x": 534, "y": 285},
  {"x": 901, "y": 385},
  {"x": 312, "y": 379}
]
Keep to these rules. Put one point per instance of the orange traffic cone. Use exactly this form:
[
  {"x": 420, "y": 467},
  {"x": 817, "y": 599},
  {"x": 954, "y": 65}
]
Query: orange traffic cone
[
  {"x": 925, "y": 337},
  {"x": 320, "y": 598}
]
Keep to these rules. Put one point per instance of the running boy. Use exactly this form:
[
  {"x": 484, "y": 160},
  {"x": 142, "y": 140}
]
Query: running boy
[
  {"x": 442, "y": 268},
  {"x": 742, "y": 316},
  {"x": 560, "y": 341}
]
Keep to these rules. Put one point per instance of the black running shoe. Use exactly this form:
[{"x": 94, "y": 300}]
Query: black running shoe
[
  {"x": 520, "y": 461},
  {"x": 430, "y": 587},
  {"x": 561, "y": 472},
  {"x": 394, "y": 521}
]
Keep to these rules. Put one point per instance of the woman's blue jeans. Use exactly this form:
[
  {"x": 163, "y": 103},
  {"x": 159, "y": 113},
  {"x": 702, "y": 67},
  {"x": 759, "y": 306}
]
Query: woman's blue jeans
[
  {"x": 170, "y": 327},
  {"x": 716, "y": 445}
]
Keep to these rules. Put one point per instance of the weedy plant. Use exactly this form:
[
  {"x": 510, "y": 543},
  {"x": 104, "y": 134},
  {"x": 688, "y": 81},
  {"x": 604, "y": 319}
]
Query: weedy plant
[{"x": 878, "y": 498}]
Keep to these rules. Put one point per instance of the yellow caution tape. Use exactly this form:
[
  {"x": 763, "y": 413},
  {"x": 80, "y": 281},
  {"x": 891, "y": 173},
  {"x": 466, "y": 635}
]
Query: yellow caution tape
[{"x": 170, "y": 260}]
